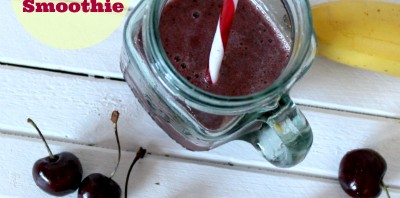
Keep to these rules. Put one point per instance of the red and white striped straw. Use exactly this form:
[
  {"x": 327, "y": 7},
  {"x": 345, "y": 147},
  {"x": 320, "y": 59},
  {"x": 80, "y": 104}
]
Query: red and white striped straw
[{"x": 221, "y": 39}]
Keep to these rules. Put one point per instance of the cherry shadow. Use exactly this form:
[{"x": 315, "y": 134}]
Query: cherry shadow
[{"x": 387, "y": 143}]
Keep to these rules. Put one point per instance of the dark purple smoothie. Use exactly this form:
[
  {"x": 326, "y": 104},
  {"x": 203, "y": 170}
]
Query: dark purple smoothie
[{"x": 255, "y": 54}]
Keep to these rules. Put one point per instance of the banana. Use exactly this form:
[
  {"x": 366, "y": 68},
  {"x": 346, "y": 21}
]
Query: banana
[{"x": 360, "y": 33}]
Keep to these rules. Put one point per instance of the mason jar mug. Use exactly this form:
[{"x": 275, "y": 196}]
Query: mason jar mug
[{"x": 200, "y": 120}]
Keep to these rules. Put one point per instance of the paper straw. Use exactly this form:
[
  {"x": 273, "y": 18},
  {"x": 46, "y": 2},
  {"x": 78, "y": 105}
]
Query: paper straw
[{"x": 220, "y": 39}]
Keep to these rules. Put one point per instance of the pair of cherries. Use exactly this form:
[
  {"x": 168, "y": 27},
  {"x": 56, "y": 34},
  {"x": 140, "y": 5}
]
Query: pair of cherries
[{"x": 61, "y": 174}]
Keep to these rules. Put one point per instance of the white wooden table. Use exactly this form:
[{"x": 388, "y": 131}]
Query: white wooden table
[{"x": 70, "y": 94}]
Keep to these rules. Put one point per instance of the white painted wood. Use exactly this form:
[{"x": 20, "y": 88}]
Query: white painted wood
[
  {"x": 333, "y": 85},
  {"x": 71, "y": 107},
  {"x": 73, "y": 110},
  {"x": 77, "y": 109},
  {"x": 158, "y": 176},
  {"x": 19, "y": 47},
  {"x": 327, "y": 83}
]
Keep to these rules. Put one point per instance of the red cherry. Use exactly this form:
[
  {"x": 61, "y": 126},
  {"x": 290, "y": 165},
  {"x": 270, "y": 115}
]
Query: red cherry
[
  {"x": 58, "y": 174},
  {"x": 361, "y": 172},
  {"x": 97, "y": 185}
]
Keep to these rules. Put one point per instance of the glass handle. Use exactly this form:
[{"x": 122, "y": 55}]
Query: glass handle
[{"x": 285, "y": 136}]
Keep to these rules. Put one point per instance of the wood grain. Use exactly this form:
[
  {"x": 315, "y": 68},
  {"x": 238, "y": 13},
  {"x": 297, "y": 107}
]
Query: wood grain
[
  {"x": 347, "y": 108},
  {"x": 77, "y": 109},
  {"x": 19, "y": 47},
  {"x": 327, "y": 84},
  {"x": 159, "y": 176},
  {"x": 336, "y": 86}
]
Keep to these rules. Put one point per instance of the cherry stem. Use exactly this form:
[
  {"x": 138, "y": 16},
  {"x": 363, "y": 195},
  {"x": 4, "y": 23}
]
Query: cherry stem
[
  {"x": 114, "y": 119},
  {"x": 139, "y": 154},
  {"x": 385, "y": 188},
  {"x": 30, "y": 121}
]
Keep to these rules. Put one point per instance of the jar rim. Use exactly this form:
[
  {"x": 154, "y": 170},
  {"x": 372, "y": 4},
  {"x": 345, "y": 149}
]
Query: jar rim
[{"x": 303, "y": 41}]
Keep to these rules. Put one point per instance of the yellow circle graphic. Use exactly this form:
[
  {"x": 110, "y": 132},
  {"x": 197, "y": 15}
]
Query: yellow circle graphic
[{"x": 70, "y": 24}]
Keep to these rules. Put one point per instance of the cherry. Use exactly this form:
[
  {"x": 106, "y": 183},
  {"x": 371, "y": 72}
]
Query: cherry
[
  {"x": 58, "y": 174},
  {"x": 361, "y": 172},
  {"x": 97, "y": 185}
]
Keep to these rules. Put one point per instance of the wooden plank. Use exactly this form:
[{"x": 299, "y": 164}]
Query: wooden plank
[
  {"x": 70, "y": 107},
  {"x": 158, "y": 176},
  {"x": 328, "y": 84},
  {"x": 19, "y": 47},
  {"x": 337, "y": 86},
  {"x": 77, "y": 109}
]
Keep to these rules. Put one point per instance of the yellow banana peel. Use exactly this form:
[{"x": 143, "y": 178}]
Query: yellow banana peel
[{"x": 360, "y": 33}]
